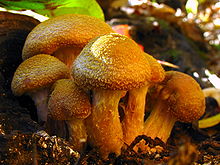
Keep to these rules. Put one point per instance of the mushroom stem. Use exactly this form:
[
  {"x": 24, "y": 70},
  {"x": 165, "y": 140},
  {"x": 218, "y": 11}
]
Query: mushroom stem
[
  {"x": 160, "y": 122},
  {"x": 104, "y": 127},
  {"x": 40, "y": 98},
  {"x": 133, "y": 121},
  {"x": 56, "y": 127},
  {"x": 77, "y": 134},
  {"x": 67, "y": 55}
]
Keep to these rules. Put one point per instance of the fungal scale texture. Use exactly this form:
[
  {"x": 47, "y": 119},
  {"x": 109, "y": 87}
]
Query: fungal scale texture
[
  {"x": 111, "y": 61},
  {"x": 63, "y": 31}
]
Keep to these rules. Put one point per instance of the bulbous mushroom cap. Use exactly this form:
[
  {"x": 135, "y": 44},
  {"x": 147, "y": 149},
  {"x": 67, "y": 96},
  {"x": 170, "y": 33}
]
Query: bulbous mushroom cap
[
  {"x": 68, "y": 30},
  {"x": 185, "y": 97},
  {"x": 67, "y": 101},
  {"x": 111, "y": 61},
  {"x": 157, "y": 71},
  {"x": 37, "y": 72}
]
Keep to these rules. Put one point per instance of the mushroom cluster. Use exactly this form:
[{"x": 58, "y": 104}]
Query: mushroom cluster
[{"x": 79, "y": 71}]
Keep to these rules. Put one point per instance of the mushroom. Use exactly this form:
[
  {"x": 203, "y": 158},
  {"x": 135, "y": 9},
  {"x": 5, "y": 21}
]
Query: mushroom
[
  {"x": 34, "y": 77},
  {"x": 178, "y": 98},
  {"x": 133, "y": 122},
  {"x": 64, "y": 36},
  {"x": 70, "y": 103},
  {"x": 109, "y": 65}
]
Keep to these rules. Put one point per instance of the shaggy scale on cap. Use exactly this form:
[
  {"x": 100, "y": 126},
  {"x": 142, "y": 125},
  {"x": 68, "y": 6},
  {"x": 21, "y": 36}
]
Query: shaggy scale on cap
[
  {"x": 111, "y": 61},
  {"x": 68, "y": 30}
]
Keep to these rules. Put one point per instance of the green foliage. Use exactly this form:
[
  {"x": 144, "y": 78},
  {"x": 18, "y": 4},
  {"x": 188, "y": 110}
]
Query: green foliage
[{"x": 53, "y": 8}]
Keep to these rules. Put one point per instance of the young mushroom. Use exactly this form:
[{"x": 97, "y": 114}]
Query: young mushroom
[
  {"x": 178, "y": 98},
  {"x": 34, "y": 78},
  {"x": 68, "y": 102},
  {"x": 109, "y": 65},
  {"x": 133, "y": 122},
  {"x": 64, "y": 36}
]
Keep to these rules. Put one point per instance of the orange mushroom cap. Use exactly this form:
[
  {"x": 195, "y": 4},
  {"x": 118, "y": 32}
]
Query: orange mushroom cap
[
  {"x": 157, "y": 71},
  {"x": 37, "y": 72},
  {"x": 68, "y": 30},
  {"x": 67, "y": 101},
  {"x": 111, "y": 61},
  {"x": 184, "y": 96}
]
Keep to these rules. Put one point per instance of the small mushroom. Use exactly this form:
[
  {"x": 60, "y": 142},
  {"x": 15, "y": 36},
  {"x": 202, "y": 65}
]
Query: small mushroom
[
  {"x": 64, "y": 36},
  {"x": 35, "y": 76},
  {"x": 133, "y": 122},
  {"x": 68, "y": 102},
  {"x": 109, "y": 65},
  {"x": 177, "y": 98}
]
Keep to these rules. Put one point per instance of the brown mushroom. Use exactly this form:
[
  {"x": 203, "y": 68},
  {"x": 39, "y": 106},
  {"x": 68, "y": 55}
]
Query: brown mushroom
[
  {"x": 64, "y": 36},
  {"x": 178, "y": 98},
  {"x": 133, "y": 122},
  {"x": 109, "y": 65},
  {"x": 68, "y": 102},
  {"x": 34, "y": 78}
]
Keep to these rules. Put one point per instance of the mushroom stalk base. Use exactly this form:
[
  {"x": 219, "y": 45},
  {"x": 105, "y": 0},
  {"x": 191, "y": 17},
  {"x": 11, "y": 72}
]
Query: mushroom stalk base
[
  {"x": 56, "y": 127},
  {"x": 104, "y": 127},
  {"x": 133, "y": 121},
  {"x": 40, "y": 98},
  {"x": 77, "y": 134},
  {"x": 160, "y": 122}
]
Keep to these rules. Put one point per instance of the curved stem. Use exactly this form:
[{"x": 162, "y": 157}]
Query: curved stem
[
  {"x": 160, "y": 122},
  {"x": 133, "y": 121},
  {"x": 104, "y": 127},
  {"x": 77, "y": 134}
]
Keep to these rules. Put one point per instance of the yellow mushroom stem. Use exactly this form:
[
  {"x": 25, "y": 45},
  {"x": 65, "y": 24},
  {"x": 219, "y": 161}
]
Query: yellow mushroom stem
[
  {"x": 67, "y": 55},
  {"x": 77, "y": 134},
  {"x": 104, "y": 127},
  {"x": 133, "y": 121},
  {"x": 134, "y": 112},
  {"x": 40, "y": 98},
  {"x": 160, "y": 122}
]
